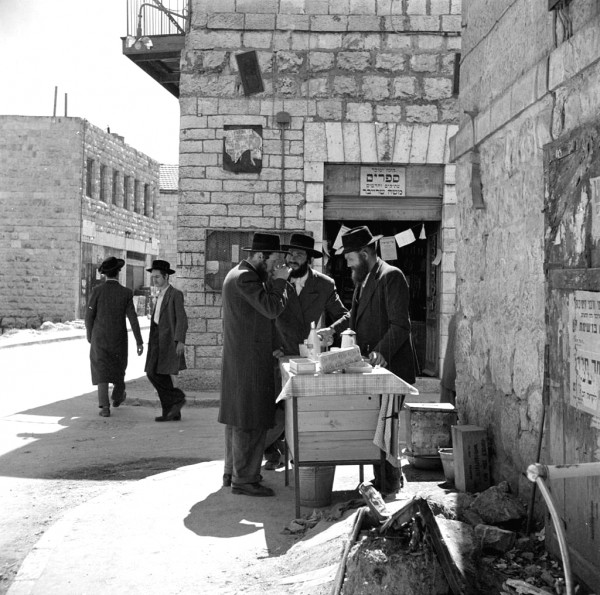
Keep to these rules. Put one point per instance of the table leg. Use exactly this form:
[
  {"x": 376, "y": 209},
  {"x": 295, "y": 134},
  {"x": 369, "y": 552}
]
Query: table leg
[
  {"x": 296, "y": 456},
  {"x": 286, "y": 457}
]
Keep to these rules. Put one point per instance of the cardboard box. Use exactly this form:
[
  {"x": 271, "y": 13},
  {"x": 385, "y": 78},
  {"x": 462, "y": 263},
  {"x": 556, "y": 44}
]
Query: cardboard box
[{"x": 471, "y": 461}]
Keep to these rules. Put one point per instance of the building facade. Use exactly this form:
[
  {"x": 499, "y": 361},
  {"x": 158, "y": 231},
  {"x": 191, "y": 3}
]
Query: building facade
[
  {"x": 314, "y": 116},
  {"x": 527, "y": 179},
  {"x": 71, "y": 195}
]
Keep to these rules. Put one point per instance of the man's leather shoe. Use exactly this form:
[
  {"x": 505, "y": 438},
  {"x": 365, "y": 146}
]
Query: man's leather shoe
[
  {"x": 117, "y": 402},
  {"x": 166, "y": 418},
  {"x": 272, "y": 465},
  {"x": 226, "y": 480},
  {"x": 175, "y": 411},
  {"x": 252, "y": 489},
  {"x": 104, "y": 412}
]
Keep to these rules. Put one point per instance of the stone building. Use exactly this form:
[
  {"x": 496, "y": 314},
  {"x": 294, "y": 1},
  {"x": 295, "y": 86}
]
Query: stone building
[
  {"x": 302, "y": 115},
  {"x": 70, "y": 195},
  {"x": 527, "y": 179},
  {"x": 169, "y": 198}
]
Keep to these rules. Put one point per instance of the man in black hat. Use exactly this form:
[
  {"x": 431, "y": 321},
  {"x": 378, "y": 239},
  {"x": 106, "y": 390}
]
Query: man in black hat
[
  {"x": 314, "y": 298},
  {"x": 247, "y": 406},
  {"x": 380, "y": 318},
  {"x": 109, "y": 305},
  {"x": 166, "y": 345}
]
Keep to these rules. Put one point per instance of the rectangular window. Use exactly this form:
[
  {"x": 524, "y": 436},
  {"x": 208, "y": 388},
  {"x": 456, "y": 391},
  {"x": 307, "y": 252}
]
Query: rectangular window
[
  {"x": 126, "y": 192},
  {"x": 115, "y": 187},
  {"x": 456, "y": 79},
  {"x": 147, "y": 201},
  {"x": 137, "y": 197},
  {"x": 89, "y": 178},
  {"x": 103, "y": 172}
]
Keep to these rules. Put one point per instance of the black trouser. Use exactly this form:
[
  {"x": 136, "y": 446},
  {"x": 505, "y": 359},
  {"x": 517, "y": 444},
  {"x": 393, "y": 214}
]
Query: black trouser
[{"x": 168, "y": 394}]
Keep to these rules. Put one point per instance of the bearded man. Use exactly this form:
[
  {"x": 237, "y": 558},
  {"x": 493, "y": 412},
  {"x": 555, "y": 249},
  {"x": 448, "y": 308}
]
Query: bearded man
[
  {"x": 380, "y": 319},
  {"x": 312, "y": 298}
]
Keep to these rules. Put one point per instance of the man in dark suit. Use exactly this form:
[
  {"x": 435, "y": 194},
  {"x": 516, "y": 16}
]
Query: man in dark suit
[
  {"x": 166, "y": 345},
  {"x": 247, "y": 384},
  {"x": 380, "y": 318},
  {"x": 313, "y": 298},
  {"x": 109, "y": 305}
]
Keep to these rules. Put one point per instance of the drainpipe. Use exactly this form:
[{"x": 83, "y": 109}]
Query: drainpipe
[{"x": 283, "y": 120}]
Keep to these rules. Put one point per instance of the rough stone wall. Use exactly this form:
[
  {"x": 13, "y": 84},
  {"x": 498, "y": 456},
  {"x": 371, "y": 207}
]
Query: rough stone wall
[
  {"x": 358, "y": 64},
  {"x": 43, "y": 205},
  {"x": 499, "y": 261}
]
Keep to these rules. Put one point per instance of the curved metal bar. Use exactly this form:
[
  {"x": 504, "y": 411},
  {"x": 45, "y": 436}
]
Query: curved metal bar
[{"x": 562, "y": 540}]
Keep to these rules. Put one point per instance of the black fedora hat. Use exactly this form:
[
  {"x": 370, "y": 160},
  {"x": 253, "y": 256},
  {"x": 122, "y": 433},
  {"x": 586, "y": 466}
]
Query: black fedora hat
[
  {"x": 299, "y": 241},
  {"x": 111, "y": 265},
  {"x": 161, "y": 265},
  {"x": 357, "y": 238},
  {"x": 265, "y": 242}
]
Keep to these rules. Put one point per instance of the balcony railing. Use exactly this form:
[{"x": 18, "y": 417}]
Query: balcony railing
[
  {"x": 156, "y": 37},
  {"x": 155, "y": 17}
]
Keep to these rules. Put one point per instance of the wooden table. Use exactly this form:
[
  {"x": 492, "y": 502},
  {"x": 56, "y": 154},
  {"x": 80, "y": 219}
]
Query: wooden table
[{"x": 331, "y": 419}]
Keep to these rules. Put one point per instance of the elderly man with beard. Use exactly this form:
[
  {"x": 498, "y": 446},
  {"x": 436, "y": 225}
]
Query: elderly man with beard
[
  {"x": 247, "y": 405},
  {"x": 314, "y": 296},
  {"x": 380, "y": 319}
]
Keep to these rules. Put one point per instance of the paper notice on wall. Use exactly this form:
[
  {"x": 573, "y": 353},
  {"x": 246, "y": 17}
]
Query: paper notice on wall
[
  {"x": 387, "y": 247},
  {"x": 337, "y": 245},
  {"x": 438, "y": 258},
  {"x": 595, "y": 200},
  {"x": 235, "y": 253},
  {"x": 584, "y": 356},
  {"x": 212, "y": 267},
  {"x": 405, "y": 237}
]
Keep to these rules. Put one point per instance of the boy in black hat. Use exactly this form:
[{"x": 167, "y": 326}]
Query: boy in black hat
[
  {"x": 166, "y": 345},
  {"x": 106, "y": 330}
]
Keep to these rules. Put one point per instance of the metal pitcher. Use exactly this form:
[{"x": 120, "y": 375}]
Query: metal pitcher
[{"x": 348, "y": 338}]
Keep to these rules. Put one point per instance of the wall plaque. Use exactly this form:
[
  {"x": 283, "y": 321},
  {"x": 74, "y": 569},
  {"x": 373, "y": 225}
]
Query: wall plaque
[
  {"x": 242, "y": 149},
  {"x": 382, "y": 181}
]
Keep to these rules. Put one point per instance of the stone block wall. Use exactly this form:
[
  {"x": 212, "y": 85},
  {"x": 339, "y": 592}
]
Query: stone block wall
[
  {"x": 40, "y": 184},
  {"x": 116, "y": 222},
  {"x": 363, "y": 67},
  {"x": 43, "y": 202},
  {"x": 542, "y": 91}
]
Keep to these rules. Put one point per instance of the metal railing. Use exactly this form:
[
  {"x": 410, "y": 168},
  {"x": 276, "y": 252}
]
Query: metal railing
[{"x": 156, "y": 17}]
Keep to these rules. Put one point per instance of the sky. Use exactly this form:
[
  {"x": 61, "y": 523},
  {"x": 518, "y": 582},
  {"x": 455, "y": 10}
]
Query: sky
[{"x": 75, "y": 45}]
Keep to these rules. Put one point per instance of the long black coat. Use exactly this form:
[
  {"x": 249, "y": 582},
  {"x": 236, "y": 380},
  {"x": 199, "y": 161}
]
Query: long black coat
[
  {"x": 381, "y": 321},
  {"x": 247, "y": 378},
  {"x": 318, "y": 296},
  {"x": 106, "y": 330}
]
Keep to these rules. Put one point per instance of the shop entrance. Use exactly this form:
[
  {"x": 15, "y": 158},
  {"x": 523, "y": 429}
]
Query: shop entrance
[
  {"x": 415, "y": 261},
  {"x": 413, "y": 205}
]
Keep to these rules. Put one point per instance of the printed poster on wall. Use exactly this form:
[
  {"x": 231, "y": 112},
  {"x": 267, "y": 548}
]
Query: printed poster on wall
[
  {"x": 242, "y": 149},
  {"x": 584, "y": 339}
]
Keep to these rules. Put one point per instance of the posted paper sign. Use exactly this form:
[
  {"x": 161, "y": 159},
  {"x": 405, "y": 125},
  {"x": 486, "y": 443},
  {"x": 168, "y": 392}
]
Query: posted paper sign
[
  {"x": 584, "y": 340},
  {"x": 387, "y": 246}
]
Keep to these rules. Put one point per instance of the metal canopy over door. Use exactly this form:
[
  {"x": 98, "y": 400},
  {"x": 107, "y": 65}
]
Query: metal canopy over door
[
  {"x": 418, "y": 202},
  {"x": 572, "y": 262}
]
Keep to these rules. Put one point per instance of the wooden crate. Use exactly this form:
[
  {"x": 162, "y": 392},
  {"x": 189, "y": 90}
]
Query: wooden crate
[
  {"x": 471, "y": 461},
  {"x": 333, "y": 428}
]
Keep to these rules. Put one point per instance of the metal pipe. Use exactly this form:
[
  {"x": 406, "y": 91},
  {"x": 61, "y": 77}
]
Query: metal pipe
[
  {"x": 537, "y": 473},
  {"x": 562, "y": 540}
]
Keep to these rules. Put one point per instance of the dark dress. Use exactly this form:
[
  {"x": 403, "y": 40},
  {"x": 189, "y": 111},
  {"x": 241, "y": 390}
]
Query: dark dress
[{"x": 109, "y": 305}]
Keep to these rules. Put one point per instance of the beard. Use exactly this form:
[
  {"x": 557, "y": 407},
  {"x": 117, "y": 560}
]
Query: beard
[
  {"x": 300, "y": 271},
  {"x": 361, "y": 270}
]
